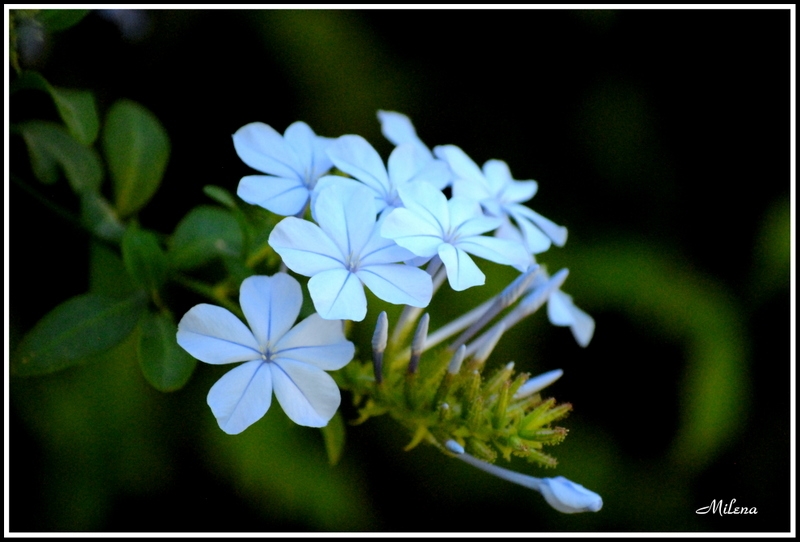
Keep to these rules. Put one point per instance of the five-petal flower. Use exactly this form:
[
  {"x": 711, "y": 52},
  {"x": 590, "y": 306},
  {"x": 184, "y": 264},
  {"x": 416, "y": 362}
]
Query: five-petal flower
[
  {"x": 501, "y": 196},
  {"x": 356, "y": 157},
  {"x": 294, "y": 162},
  {"x": 291, "y": 361},
  {"x": 430, "y": 225},
  {"x": 346, "y": 251}
]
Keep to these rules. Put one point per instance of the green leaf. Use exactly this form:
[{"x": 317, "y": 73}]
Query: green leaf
[
  {"x": 204, "y": 234},
  {"x": 107, "y": 273},
  {"x": 145, "y": 261},
  {"x": 137, "y": 149},
  {"x": 82, "y": 326},
  {"x": 164, "y": 364},
  {"x": 333, "y": 434},
  {"x": 56, "y": 20},
  {"x": 100, "y": 217},
  {"x": 76, "y": 107},
  {"x": 220, "y": 195},
  {"x": 50, "y": 144}
]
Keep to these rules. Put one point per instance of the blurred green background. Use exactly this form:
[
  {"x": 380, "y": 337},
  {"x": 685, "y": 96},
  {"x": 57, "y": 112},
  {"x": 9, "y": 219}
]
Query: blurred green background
[{"x": 659, "y": 138}]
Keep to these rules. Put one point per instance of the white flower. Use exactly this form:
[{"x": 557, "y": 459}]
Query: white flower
[
  {"x": 430, "y": 225},
  {"x": 501, "y": 196},
  {"x": 353, "y": 155},
  {"x": 291, "y": 361},
  {"x": 345, "y": 251},
  {"x": 293, "y": 161}
]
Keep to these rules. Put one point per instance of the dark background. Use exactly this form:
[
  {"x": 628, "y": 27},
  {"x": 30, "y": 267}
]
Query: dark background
[{"x": 660, "y": 138}]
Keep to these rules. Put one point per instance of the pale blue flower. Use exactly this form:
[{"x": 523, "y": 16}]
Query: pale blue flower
[
  {"x": 346, "y": 251},
  {"x": 291, "y": 361},
  {"x": 501, "y": 196},
  {"x": 353, "y": 155},
  {"x": 430, "y": 225},
  {"x": 294, "y": 162}
]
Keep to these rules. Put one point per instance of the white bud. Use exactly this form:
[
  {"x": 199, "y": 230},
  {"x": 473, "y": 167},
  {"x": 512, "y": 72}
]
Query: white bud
[
  {"x": 568, "y": 497},
  {"x": 538, "y": 383}
]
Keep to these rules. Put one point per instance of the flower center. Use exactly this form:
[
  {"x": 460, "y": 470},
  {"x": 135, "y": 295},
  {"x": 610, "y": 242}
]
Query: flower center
[{"x": 352, "y": 262}]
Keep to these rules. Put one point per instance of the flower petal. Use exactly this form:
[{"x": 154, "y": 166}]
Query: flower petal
[
  {"x": 503, "y": 185},
  {"x": 568, "y": 497},
  {"x": 338, "y": 295},
  {"x": 346, "y": 213},
  {"x": 398, "y": 129},
  {"x": 534, "y": 238},
  {"x": 380, "y": 249},
  {"x": 462, "y": 273},
  {"x": 307, "y": 394},
  {"x": 282, "y": 196},
  {"x": 409, "y": 231},
  {"x": 262, "y": 148},
  {"x": 428, "y": 203},
  {"x": 399, "y": 284},
  {"x": 271, "y": 305},
  {"x": 561, "y": 311},
  {"x": 463, "y": 166},
  {"x": 242, "y": 396},
  {"x": 304, "y": 247},
  {"x": 214, "y": 335},
  {"x": 497, "y": 250},
  {"x": 353, "y": 155},
  {"x": 405, "y": 162},
  {"x": 467, "y": 218},
  {"x": 318, "y": 342},
  {"x": 555, "y": 232},
  {"x": 309, "y": 148}
]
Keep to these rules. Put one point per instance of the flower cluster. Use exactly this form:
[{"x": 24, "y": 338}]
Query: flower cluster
[{"x": 352, "y": 221}]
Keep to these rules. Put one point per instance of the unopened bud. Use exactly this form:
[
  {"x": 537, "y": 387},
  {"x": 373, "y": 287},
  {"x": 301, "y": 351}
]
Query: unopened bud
[{"x": 538, "y": 383}]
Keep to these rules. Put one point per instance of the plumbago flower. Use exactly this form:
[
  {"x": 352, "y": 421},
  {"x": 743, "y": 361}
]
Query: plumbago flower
[
  {"x": 430, "y": 225},
  {"x": 294, "y": 162},
  {"x": 353, "y": 155},
  {"x": 345, "y": 252},
  {"x": 291, "y": 361},
  {"x": 501, "y": 196}
]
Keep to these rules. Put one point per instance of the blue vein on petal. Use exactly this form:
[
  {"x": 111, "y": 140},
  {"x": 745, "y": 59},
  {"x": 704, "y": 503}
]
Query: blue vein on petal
[
  {"x": 278, "y": 365},
  {"x": 231, "y": 342},
  {"x": 299, "y": 187},
  {"x": 238, "y": 401},
  {"x": 349, "y": 274},
  {"x": 390, "y": 283}
]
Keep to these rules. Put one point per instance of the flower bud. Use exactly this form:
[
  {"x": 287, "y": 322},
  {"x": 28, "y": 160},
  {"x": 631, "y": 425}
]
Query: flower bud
[{"x": 568, "y": 497}]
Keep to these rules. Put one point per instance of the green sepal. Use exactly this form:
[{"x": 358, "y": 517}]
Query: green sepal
[
  {"x": 137, "y": 149},
  {"x": 165, "y": 365},
  {"x": 80, "y": 327}
]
